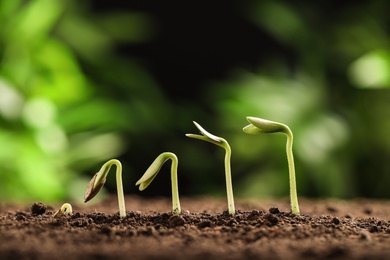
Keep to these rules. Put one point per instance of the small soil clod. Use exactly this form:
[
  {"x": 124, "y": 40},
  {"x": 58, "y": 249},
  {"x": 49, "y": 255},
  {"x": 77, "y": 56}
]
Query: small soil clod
[{"x": 38, "y": 208}]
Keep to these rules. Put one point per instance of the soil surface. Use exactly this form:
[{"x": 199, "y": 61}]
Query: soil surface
[{"x": 260, "y": 229}]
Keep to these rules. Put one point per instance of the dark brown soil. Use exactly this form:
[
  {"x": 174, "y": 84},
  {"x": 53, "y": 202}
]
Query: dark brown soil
[{"x": 326, "y": 229}]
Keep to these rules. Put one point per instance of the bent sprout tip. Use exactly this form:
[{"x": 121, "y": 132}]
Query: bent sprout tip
[
  {"x": 260, "y": 125},
  {"x": 99, "y": 179},
  {"x": 152, "y": 172},
  {"x": 66, "y": 209},
  {"x": 206, "y": 136}
]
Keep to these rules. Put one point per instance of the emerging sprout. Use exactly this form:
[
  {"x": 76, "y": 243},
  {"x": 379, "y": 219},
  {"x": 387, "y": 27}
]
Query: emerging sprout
[
  {"x": 206, "y": 136},
  {"x": 259, "y": 125},
  {"x": 99, "y": 179},
  {"x": 66, "y": 209},
  {"x": 152, "y": 172}
]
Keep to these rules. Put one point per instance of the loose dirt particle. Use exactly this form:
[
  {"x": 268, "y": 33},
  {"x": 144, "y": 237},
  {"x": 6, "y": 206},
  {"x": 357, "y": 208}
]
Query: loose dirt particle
[
  {"x": 204, "y": 224},
  {"x": 274, "y": 210},
  {"x": 373, "y": 229},
  {"x": 335, "y": 221},
  {"x": 38, "y": 208},
  {"x": 20, "y": 216},
  {"x": 271, "y": 219},
  {"x": 254, "y": 215},
  {"x": 232, "y": 223}
]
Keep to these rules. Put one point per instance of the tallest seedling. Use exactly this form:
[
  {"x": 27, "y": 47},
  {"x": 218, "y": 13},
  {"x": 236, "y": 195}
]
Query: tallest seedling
[{"x": 259, "y": 126}]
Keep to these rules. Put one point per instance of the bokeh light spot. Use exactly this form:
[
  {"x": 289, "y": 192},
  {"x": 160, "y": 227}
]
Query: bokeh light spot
[{"x": 371, "y": 70}]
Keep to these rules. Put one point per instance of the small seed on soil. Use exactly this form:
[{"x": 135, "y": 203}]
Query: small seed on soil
[
  {"x": 176, "y": 220},
  {"x": 38, "y": 208}
]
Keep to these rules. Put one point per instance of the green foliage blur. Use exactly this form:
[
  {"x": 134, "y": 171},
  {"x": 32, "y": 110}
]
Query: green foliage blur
[{"x": 81, "y": 83}]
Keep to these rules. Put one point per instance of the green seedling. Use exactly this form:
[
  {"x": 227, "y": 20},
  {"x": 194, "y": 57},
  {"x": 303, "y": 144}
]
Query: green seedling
[
  {"x": 206, "y": 136},
  {"x": 259, "y": 126},
  {"x": 99, "y": 179},
  {"x": 66, "y": 209},
  {"x": 152, "y": 172}
]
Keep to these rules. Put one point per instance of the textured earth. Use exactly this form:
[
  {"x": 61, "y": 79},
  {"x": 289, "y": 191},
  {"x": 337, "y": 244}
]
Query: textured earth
[{"x": 260, "y": 229}]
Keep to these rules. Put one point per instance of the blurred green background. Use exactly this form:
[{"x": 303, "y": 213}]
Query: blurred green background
[{"x": 82, "y": 82}]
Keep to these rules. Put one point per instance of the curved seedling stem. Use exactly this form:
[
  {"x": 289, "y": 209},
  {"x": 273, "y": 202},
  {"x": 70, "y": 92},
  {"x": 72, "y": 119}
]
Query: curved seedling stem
[
  {"x": 259, "y": 125},
  {"x": 206, "y": 136},
  {"x": 152, "y": 172},
  {"x": 98, "y": 180}
]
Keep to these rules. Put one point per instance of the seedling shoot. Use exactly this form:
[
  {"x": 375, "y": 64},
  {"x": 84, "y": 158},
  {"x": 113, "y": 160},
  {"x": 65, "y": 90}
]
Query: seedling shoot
[
  {"x": 152, "y": 172},
  {"x": 66, "y": 209},
  {"x": 98, "y": 180},
  {"x": 206, "y": 136},
  {"x": 259, "y": 126}
]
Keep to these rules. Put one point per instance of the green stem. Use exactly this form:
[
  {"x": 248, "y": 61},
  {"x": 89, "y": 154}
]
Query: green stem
[
  {"x": 291, "y": 168},
  {"x": 176, "y": 209},
  {"x": 228, "y": 176},
  {"x": 119, "y": 185}
]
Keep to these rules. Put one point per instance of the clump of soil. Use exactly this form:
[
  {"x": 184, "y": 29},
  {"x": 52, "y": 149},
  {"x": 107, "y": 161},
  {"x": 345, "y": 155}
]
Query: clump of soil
[
  {"x": 326, "y": 229},
  {"x": 38, "y": 208}
]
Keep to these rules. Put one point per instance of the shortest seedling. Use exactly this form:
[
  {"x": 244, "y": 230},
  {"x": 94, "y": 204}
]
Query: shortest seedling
[
  {"x": 258, "y": 126},
  {"x": 152, "y": 172},
  {"x": 206, "y": 136},
  {"x": 98, "y": 180},
  {"x": 66, "y": 209}
]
